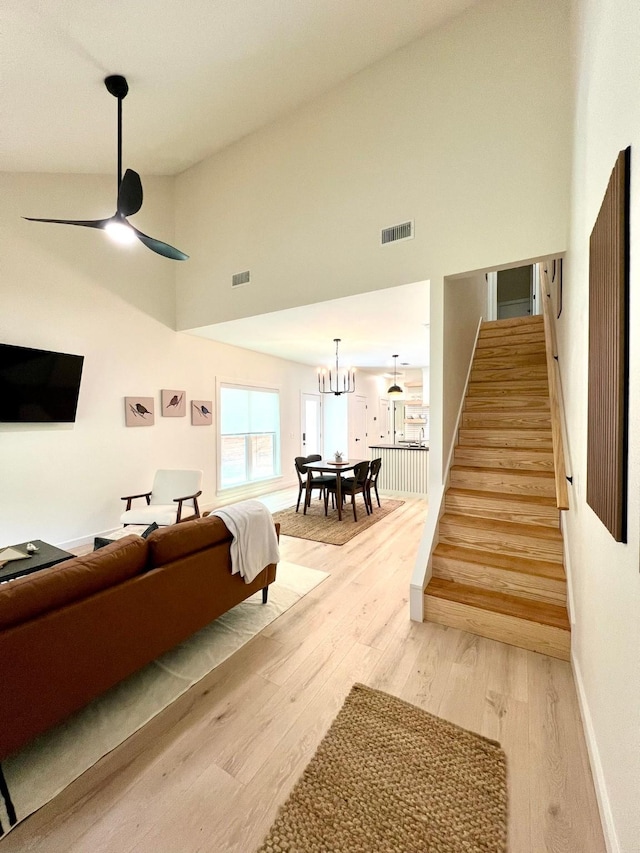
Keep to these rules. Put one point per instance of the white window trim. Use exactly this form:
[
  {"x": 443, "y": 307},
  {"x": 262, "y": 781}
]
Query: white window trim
[{"x": 255, "y": 487}]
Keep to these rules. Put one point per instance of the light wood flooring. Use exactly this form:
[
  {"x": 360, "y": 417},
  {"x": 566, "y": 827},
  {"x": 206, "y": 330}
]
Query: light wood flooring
[{"x": 209, "y": 773}]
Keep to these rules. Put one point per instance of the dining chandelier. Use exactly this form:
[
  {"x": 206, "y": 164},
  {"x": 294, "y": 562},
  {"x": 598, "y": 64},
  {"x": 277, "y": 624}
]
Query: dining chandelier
[
  {"x": 395, "y": 390},
  {"x": 348, "y": 378}
]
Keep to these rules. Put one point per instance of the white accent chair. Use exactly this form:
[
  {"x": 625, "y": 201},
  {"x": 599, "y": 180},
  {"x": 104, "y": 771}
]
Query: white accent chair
[{"x": 173, "y": 498}]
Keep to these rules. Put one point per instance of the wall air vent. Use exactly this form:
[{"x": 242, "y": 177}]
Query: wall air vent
[
  {"x": 241, "y": 278},
  {"x": 404, "y": 231}
]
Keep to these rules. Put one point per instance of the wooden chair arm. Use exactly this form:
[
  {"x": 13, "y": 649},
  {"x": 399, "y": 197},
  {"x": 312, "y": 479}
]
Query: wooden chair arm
[
  {"x": 188, "y": 497},
  {"x": 196, "y": 508},
  {"x": 129, "y": 498}
]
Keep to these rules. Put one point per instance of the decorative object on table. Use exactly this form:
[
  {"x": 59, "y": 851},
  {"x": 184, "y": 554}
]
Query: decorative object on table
[
  {"x": 338, "y": 456},
  {"x": 201, "y": 412},
  {"x": 348, "y": 378},
  {"x": 37, "y": 773},
  {"x": 174, "y": 404},
  {"x": 395, "y": 390},
  {"x": 129, "y": 195},
  {"x": 317, "y": 527},
  {"x": 173, "y": 498},
  {"x": 24, "y": 562},
  {"x": 139, "y": 411},
  {"x": 389, "y": 776},
  {"x": 31, "y": 548},
  {"x": 9, "y": 554}
]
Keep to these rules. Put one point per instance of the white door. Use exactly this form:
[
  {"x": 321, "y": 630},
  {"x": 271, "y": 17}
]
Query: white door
[
  {"x": 311, "y": 425},
  {"x": 382, "y": 423},
  {"x": 358, "y": 448}
]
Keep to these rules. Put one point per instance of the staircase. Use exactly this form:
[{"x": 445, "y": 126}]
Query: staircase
[{"x": 498, "y": 565}]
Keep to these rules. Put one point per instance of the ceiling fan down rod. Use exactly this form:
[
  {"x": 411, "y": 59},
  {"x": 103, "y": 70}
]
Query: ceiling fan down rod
[{"x": 117, "y": 86}]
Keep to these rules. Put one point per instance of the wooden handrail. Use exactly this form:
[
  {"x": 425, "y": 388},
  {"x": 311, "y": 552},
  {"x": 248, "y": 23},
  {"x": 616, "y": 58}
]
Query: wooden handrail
[{"x": 553, "y": 374}]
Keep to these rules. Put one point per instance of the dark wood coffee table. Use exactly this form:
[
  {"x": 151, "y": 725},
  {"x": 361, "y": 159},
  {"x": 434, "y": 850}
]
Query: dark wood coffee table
[{"x": 46, "y": 556}]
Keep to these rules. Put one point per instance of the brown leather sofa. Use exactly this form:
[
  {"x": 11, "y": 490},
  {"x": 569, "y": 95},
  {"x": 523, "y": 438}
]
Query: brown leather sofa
[{"x": 70, "y": 632}]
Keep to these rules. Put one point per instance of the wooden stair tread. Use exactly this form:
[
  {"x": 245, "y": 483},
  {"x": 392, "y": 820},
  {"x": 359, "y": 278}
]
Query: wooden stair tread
[
  {"x": 523, "y": 565},
  {"x": 506, "y": 437},
  {"x": 502, "y": 528},
  {"x": 532, "y": 500},
  {"x": 548, "y": 475},
  {"x": 497, "y": 602},
  {"x": 510, "y": 402}
]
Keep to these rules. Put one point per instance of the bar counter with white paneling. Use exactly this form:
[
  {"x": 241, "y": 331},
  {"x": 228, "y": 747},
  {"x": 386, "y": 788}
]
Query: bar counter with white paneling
[{"x": 404, "y": 468}]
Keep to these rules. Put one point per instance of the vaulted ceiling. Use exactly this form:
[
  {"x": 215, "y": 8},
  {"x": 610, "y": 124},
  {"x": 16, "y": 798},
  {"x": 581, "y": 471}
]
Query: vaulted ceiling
[{"x": 202, "y": 73}]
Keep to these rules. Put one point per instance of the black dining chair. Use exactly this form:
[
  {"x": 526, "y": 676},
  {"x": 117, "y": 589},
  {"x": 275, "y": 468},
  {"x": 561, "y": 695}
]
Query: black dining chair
[
  {"x": 353, "y": 486},
  {"x": 372, "y": 480},
  {"x": 317, "y": 482}
]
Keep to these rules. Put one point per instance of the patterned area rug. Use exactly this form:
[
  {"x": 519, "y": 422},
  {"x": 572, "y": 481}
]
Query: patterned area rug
[
  {"x": 33, "y": 776},
  {"x": 320, "y": 528},
  {"x": 389, "y": 777}
]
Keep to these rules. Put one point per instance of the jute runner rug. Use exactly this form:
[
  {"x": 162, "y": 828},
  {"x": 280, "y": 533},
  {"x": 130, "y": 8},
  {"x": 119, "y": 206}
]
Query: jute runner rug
[
  {"x": 320, "y": 528},
  {"x": 391, "y": 778}
]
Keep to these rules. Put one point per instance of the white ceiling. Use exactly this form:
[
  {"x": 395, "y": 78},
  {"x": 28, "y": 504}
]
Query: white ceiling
[
  {"x": 372, "y": 327},
  {"x": 202, "y": 73}
]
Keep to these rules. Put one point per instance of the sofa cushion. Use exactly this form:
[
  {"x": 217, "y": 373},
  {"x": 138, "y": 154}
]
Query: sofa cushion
[
  {"x": 32, "y": 595},
  {"x": 180, "y": 540}
]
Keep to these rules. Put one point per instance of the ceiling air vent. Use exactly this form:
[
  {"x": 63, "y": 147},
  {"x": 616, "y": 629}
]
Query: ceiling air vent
[
  {"x": 241, "y": 278},
  {"x": 404, "y": 231}
]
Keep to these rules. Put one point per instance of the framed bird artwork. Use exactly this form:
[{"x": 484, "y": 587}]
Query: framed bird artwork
[
  {"x": 138, "y": 411},
  {"x": 201, "y": 412},
  {"x": 174, "y": 404}
]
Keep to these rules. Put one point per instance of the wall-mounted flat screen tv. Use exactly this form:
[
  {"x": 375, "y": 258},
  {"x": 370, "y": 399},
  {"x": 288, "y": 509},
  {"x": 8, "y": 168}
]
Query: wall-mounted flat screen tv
[{"x": 38, "y": 386}]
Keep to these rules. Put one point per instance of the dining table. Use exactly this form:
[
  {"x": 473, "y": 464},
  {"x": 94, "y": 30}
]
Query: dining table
[{"x": 330, "y": 467}]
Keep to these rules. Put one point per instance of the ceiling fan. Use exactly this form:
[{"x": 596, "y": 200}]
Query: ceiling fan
[{"x": 129, "y": 195}]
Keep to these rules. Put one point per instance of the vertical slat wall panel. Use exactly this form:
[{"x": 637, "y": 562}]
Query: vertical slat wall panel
[{"x": 607, "y": 427}]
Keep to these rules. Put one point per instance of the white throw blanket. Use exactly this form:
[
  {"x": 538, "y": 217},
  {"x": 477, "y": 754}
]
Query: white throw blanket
[{"x": 255, "y": 543}]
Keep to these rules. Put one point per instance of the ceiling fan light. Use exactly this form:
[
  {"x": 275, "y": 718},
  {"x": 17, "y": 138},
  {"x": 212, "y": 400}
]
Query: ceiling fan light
[{"x": 120, "y": 232}]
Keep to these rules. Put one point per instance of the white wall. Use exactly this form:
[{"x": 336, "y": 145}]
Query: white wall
[
  {"x": 70, "y": 290},
  {"x": 606, "y": 577},
  {"x": 465, "y": 301},
  {"x": 445, "y": 131}
]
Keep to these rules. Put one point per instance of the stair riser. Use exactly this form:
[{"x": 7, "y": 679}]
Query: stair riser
[
  {"x": 514, "y": 545},
  {"x": 535, "y": 371},
  {"x": 503, "y": 510},
  {"x": 484, "y": 361},
  {"x": 497, "y": 390},
  {"x": 521, "y": 460},
  {"x": 501, "y": 339},
  {"x": 506, "y": 404},
  {"x": 547, "y": 640},
  {"x": 519, "y": 438},
  {"x": 513, "y": 324},
  {"x": 526, "y": 586},
  {"x": 505, "y": 483},
  {"x": 510, "y": 420},
  {"x": 520, "y": 350}
]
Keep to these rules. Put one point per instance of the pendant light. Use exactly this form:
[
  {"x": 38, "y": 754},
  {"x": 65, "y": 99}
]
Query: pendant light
[
  {"x": 348, "y": 378},
  {"x": 395, "y": 390}
]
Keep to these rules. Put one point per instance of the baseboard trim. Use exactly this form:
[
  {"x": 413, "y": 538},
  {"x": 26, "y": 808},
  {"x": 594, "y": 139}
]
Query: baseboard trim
[{"x": 602, "y": 795}]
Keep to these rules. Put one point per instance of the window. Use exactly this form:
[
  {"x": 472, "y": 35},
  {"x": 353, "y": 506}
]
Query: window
[{"x": 249, "y": 435}]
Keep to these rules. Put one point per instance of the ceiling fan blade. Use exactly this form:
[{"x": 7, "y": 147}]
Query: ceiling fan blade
[
  {"x": 159, "y": 247},
  {"x": 130, "y": 193},
  {"x": 85, "y": 223}
]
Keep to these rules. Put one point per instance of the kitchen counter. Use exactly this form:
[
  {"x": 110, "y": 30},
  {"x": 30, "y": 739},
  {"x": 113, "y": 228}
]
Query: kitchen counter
[
  {"x": 404, "y": 471},
  {"x": 398, "y": 447}
]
